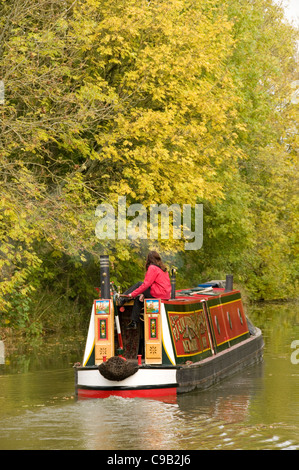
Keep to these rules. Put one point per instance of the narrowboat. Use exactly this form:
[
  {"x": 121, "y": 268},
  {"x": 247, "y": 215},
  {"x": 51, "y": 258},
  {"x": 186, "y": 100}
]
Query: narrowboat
[{"x": 192, "y": 341}]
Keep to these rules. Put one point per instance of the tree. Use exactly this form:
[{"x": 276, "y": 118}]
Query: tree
[
  {"x": 161, "y": 102},
  {"x": 252, "y": 231}
]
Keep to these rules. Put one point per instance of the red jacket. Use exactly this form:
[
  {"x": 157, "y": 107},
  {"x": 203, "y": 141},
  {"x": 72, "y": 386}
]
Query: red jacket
[{"x": 158, "y": 281}]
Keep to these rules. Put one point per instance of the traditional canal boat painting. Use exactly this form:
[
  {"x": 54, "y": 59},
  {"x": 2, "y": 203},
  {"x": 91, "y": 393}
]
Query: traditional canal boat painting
[{"x": 191, "y": 341}]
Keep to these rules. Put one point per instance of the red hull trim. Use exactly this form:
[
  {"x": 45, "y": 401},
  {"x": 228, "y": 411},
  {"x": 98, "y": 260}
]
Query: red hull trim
[{"x": 139, "y": 393}]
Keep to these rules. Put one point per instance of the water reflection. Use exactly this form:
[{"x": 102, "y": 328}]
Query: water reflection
[
  {"x": 257, "y": 409},
  {"x": 230, "y": 401}
]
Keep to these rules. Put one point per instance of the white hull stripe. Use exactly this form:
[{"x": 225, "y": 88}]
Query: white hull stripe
[{"x": 142, "y": 378}]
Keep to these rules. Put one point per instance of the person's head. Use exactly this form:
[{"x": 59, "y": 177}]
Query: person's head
[{"x": 154, "y": 258}]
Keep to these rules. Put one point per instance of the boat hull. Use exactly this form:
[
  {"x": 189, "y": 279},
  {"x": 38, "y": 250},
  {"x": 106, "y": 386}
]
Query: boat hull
[
  {"x": 160, "y": 381},
  {"x": 146, "y": 382},
  {"x": 222, "y": 365}
]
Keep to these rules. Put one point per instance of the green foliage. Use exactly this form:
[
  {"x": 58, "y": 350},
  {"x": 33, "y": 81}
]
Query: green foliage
[{"x": 161, "y": 102}]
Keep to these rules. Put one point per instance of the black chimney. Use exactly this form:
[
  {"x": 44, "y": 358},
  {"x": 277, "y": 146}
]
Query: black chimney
[
  {"x": 229, "y": 283},
  {"x": 172, "y": 281},
  {"x": 105, "y": 276}
]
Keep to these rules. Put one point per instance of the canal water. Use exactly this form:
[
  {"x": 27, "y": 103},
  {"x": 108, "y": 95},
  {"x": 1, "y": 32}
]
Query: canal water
[{"x": 255, "y": 410}]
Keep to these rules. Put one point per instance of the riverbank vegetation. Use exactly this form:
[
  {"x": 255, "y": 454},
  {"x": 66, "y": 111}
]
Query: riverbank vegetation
[{"x": 177, "y": 102}]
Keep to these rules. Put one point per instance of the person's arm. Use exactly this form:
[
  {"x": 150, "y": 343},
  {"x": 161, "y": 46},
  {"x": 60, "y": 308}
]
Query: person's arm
[{"x": 149, "y": 279}]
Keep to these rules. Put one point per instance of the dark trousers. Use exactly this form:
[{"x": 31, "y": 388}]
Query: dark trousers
[{"x": 137, "y": 304}]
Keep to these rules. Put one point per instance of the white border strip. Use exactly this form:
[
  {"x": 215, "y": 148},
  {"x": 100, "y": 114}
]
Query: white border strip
[
  {"x": 167, "y": 343},
  {"x": 90, "y": 338}
]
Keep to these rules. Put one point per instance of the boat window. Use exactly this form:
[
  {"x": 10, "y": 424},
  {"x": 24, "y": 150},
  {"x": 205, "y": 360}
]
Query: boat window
[
  {"x": 229, "y": 320},
  {"x": 240, "y": 316},
  {"x": 217, "y": 324}
]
